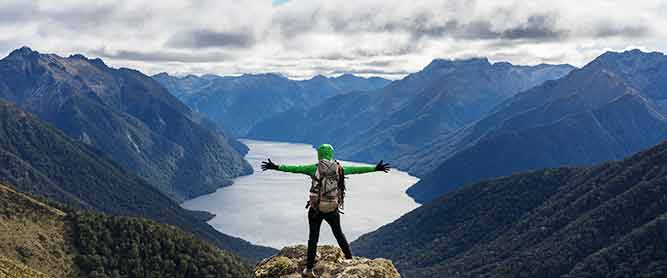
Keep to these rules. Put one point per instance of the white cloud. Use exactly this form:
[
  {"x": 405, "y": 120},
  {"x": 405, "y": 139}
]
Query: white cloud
[{"x": 305, "y": 37}]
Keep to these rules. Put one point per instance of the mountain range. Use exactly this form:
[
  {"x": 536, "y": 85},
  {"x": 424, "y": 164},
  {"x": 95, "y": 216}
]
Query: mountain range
[
  {"x": 40, "y": 160},
  {"x": 401, "y": 118},
  {"x": 612, "y": 107},
  {"x": 608, "y": 220},
  {"x": 126, "y": 115},
  {"x": 240, "y": 102},
  {"x": 88, "y": 151}
]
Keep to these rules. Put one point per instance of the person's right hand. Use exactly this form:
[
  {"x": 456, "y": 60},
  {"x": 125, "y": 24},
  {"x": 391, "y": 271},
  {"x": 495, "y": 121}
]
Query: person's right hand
[{"x": 269, "y": 165}]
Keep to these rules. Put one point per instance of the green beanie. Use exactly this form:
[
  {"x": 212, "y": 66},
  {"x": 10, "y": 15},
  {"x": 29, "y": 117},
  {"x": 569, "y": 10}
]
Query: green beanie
[{"x": 325, "y": 151}]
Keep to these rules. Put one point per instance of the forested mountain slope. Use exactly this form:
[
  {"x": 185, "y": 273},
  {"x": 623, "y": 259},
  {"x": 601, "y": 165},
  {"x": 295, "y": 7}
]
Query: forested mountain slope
[
  {"x": 57, "y": 243},
  {"x": 40, "y": 160},
  {"x": 611, "y": 108},
  {"x": 608, "y": 220},
  {"x": 125, "y": 114}
]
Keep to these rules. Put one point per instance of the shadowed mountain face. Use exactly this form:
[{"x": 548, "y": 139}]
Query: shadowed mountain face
[
  {"x": 608, "y": 220},
  {"x": 241, "y": 102},
  {"x": 40, "y": 160},
  {"x": 612, "y": 107},
  {"x": 403, "y": 116},
  {"x": 128, "y": 116}
]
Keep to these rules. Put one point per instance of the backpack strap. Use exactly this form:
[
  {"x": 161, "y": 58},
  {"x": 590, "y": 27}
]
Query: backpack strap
[
  {"x": 318, "y": 187},
  {"x": 341, "y": 188}
]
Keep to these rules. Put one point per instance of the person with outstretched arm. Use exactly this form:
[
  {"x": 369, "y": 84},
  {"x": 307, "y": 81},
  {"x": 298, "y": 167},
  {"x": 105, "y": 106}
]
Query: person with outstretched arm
[{"x": 326, "y": 197}]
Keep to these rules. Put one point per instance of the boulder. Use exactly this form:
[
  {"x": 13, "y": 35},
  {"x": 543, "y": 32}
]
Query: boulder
[{"x": 330, "y": 263}]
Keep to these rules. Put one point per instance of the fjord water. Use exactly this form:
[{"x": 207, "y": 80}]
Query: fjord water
[{"x": 267, "y": 208}]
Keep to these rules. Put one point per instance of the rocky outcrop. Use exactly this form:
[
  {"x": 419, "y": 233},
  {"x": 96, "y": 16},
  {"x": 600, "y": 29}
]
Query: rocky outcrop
[{"x": 330, "y": 263}]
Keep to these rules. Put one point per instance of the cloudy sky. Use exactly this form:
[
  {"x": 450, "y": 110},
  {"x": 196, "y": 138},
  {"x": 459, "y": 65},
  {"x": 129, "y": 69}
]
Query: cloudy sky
[{"x": 300, "y": 38}]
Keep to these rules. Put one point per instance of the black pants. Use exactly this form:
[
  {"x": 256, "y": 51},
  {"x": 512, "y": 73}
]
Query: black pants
[{"x": 314, "y": 222}]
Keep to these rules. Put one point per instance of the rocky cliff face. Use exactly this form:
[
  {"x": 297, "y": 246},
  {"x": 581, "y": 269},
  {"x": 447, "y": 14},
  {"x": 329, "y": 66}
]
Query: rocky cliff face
[{"x": 330, "y": 263}]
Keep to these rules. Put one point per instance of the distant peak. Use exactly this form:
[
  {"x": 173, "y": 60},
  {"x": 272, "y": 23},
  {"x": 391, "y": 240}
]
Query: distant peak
[
  {"x": 210, "y": 76},
  {"x": 23, "y": 52},
  {"x": 474, "y": 60},
  {"x": 161, "y": 75},
  {"x": 24, "y": 49},
  {"x": 437, "y": 63},
  {"x": 444, "y": 63},
  {"x": 503, "y": 63},
  {"x": 264, "y": 75},
  {"x": 478, "y": 60},
  {"x": 542, "y": 65},
  {"x": 77, "y": 56},
  {"x": 624, "y": 59},
  {"x": 348, "y": 76},
  {"x": 632, "y": 52},
  {"x": 319, "y": 77},
  {"x": 97, "y": 61}
]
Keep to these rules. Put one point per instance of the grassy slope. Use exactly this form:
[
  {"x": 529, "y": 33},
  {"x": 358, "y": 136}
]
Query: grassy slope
[
  {"x": 37, "y": 236},
  {"x": 13, "y": 269}
]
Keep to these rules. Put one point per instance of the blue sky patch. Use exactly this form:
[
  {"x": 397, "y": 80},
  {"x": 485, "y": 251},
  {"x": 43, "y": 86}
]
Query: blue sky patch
[{"x": 279, "y": 2}]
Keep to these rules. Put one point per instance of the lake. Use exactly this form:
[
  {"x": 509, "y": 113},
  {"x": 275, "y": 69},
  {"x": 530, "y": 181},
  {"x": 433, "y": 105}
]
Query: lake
[{"x": 267, "y": 207}]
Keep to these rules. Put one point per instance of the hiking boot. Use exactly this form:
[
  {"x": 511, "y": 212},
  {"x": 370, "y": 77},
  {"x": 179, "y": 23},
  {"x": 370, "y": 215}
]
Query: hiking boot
[{"x": 308, "y": 273}]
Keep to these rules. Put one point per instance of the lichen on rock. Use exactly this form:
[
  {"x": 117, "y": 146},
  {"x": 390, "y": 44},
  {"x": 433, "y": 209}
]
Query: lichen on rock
[{"x": 331, "y": 263}]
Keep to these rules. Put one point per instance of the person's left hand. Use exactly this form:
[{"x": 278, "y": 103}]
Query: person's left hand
[
  {"x": 384, "y": 167},
  {"x": 269, "y": 165}
]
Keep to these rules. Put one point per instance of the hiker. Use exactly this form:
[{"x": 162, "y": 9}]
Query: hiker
[{"x": 326, "y": 197}]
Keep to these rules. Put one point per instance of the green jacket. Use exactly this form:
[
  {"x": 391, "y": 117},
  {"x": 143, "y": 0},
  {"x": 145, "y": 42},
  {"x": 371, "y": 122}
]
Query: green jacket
[{"x": 324, "y": 151}]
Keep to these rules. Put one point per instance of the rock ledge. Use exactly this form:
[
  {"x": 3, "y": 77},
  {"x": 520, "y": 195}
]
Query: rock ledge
[{"x": 330, "y": 264}]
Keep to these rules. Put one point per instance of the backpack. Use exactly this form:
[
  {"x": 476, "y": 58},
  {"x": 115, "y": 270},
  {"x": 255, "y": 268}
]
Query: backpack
[{"x": 327, "y": 191}]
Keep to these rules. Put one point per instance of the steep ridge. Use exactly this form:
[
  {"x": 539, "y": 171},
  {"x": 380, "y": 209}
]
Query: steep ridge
[
  {"x": 240, "y": 102},
  {"x": 34, "y": 237},
  {"x": 126, "y": 115},
  {"x": 38, "y": 238},
  {"x": 403, "y": 116},
  {"x": 601, "y": 221},
  {"x": 606, "y": 110},
  {"x": 40, "y": 160}
]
